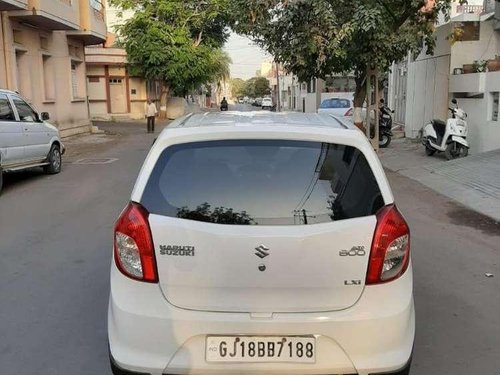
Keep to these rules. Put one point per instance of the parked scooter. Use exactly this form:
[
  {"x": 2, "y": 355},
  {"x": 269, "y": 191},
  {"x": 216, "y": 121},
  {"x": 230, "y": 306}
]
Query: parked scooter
[
  {"x": 449, "y": 137},
  {"x": 384, "y": 125}
]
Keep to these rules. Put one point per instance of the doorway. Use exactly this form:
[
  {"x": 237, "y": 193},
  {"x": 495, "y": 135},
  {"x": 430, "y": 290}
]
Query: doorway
[{"x": 118, "y": 96}]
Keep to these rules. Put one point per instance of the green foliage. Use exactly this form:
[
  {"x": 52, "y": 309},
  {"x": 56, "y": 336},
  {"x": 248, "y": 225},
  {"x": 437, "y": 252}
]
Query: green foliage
[
  {"x": 321, "y": 37},
  {"x": 261, "y": 86},
  {"x": 176, "y": 41},
  {"x": 237, "y": 87},
  {"x": 218, "y": 215},
  {"x": 479, "y": 66},
  {"x": 255, "y": 87}
]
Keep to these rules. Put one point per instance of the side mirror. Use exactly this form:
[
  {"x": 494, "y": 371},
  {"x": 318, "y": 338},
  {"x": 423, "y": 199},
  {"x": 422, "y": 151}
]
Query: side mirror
[{"x": 45, "y": 116}]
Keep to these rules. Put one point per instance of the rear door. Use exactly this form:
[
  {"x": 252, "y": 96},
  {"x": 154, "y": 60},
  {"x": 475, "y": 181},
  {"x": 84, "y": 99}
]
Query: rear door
[
  {"x": 262, "y": 225},
  {"x": 11, "y": 134},
  {"x": 36, "y": 135}
]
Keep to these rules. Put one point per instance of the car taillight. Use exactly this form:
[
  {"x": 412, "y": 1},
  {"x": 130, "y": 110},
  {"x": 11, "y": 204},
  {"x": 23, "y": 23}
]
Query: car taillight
[
  {"x": 134, "y": 251},
  {"x": 349, "y": 112},
  {"x": 390, "y": 252}
]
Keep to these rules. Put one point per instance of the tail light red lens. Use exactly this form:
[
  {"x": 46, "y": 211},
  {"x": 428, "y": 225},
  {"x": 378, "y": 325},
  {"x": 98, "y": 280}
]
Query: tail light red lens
[
  {"x": 390, "y": 252},
  {"x": 133, "y": 248},
  {"x": 349, "y": 112}
]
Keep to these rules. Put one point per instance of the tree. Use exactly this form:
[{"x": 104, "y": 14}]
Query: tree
[
  {"x": 256, "y": 87},
  {"x": 221, "y": 64},
  {"x": 261, "y": 86},
  {"x": 237, "y": 87},
  {"x": 249, "y": 88},
  {"x": 178, "y": 42},
  {"x": 314, "y": 39},
  {"x": 219, "y": 215}
]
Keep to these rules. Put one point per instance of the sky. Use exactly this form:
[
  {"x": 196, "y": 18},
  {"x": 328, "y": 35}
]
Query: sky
[{"x": 246, "y": 56}]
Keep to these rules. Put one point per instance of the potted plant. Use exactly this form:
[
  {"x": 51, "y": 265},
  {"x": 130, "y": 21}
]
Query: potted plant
[
  {"x": 479, "y": 66},
  {"x": 494, "y": 64},
  {"x": 468, "y": 68}
]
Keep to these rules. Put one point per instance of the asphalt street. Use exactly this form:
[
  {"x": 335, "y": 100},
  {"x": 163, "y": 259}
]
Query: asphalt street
[{"x": 56, "y": 247}]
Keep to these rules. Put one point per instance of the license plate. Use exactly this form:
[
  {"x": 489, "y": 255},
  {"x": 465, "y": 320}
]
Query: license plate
[{"x": 261, "y": 349}]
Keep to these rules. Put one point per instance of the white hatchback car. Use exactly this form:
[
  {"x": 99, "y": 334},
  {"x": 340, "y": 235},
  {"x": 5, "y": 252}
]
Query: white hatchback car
[
  {"x": 261, "y": 243},
  {"x": 267, "y": 103},
  {"x": 26, "y": 139}
]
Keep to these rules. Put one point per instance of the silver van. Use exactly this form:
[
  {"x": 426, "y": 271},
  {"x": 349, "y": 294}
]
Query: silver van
[{"x": 26, "y": 139}]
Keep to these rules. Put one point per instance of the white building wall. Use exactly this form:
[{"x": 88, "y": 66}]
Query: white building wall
[
  {"x": 483, "y": 135},
  {"x": 427, "y": 93},
  {"x": 484, "y": 130}
]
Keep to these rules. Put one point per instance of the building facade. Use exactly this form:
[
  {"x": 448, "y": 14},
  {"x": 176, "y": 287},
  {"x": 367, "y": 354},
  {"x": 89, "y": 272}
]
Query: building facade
[
  {"x": 42, "y": 55},
  {"x": 465, "y": 65},
  {"x": 113, "y": 93}
]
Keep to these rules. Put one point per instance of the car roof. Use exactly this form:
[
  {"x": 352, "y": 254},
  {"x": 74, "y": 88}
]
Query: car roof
[
  {"x": 337, "y": 98},
  {"x": 5, "y": 91},
  {"x": 235, "y": 119}
]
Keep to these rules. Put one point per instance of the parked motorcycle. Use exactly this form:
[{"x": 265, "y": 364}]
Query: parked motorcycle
[
  {"x": 448, "y": 137},
  {"x": 385, "y": 126}
]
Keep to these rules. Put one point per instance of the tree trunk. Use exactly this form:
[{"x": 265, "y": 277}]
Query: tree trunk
[
  {"x": 359, "y": 99},
  {"x": 165, "y": 90}
]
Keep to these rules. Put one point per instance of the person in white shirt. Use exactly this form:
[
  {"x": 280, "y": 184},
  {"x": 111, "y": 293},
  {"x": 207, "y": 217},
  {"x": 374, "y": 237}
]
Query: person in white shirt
[{"x": 151, "y": 113}]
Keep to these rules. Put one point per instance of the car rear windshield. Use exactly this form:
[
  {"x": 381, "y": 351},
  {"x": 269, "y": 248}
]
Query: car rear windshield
[
  {"x": 262, "y": 182},
  {"x": 336, "y": 103}
]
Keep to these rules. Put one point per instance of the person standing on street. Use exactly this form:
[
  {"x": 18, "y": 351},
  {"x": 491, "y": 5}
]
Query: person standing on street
[{"x": 151, "y": 113}]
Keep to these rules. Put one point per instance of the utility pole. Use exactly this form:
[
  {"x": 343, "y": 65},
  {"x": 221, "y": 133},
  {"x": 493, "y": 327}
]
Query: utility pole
[
  {"x": 304, "y": 214},
  {"x": 278, "y": 102}
]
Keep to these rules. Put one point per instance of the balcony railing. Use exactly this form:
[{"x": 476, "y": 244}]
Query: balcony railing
[
  {"x": 470, "y": 9},
  {"x": 98, "y": 8}
]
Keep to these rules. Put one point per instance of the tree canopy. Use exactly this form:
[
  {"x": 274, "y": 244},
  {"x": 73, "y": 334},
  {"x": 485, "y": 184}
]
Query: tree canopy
[
  {"x": 237, "y": 87},
  {"x": 176, "y": 41},
  {"x": 261, "y": 86},
  {"x": 253, "y": 87},
  {"x": 314, "y": 39}
]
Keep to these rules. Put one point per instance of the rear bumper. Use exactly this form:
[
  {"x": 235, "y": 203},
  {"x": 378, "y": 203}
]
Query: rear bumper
[{"x": 147, "y": 335}]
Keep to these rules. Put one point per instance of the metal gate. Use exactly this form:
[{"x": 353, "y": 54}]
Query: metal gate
[{"x": 400, "y": 86}]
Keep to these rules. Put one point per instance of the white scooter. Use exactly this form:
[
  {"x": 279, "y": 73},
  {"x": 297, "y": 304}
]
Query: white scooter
[{"x": 449, "y": 137}]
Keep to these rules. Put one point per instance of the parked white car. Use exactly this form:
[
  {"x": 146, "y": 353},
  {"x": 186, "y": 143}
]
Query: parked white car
[
  {"x": 273, "y": 248},
  {"x": 267, "y": 103},
  {"x": 26, "y": 139},
  {"x": 342, "y": 107}
]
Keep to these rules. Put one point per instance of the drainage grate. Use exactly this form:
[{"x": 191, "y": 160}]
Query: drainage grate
[{"x": 96, "y": 161}]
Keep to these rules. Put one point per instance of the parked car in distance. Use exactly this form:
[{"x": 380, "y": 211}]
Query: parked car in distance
[
  {"x": 267, "y": 103},
  {"x": 257, "y": 102},
  {"x": 275, "y": 248},
  {"x": 240, "y": 101},
  {"x": 337, "y": 106},
  {"x": 27, "y": 140}
]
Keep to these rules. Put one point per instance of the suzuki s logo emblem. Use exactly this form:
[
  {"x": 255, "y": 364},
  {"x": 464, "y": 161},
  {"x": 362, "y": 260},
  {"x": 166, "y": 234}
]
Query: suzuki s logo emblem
[{"x": 262, "y": 251}]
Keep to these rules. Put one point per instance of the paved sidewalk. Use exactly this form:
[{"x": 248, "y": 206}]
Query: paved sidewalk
[{"x": 473, "y": 181}]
